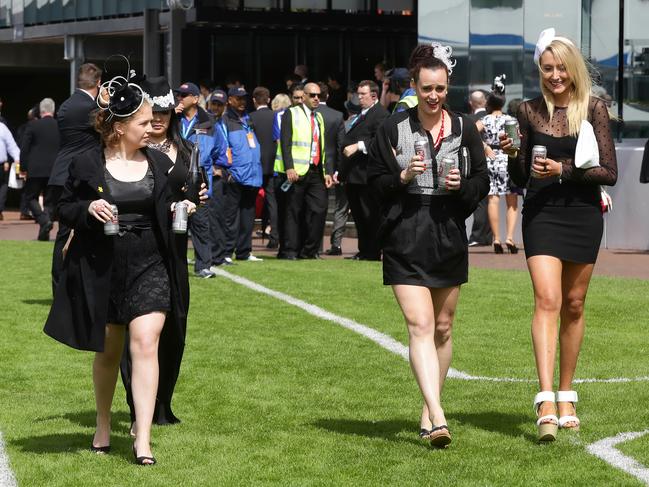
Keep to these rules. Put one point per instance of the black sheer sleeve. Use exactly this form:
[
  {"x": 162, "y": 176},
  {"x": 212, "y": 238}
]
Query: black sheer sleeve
[
  {"x": 518, "y": 168},
  {"x": 606, "y": 173}
]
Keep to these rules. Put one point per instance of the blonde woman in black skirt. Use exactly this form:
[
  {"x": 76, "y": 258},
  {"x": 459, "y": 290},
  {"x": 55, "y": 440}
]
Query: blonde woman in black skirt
[
  {"x": 425, "y": 250},
  {"x": 562, "y": 217}
]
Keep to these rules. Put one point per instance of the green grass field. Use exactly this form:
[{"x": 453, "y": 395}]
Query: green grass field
[{"x": 269, "y": 394}]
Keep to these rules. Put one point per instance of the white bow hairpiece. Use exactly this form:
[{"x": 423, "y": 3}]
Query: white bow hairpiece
[
  {"x": 545, "y": 38},
  {"x": 444, "y": 53}
]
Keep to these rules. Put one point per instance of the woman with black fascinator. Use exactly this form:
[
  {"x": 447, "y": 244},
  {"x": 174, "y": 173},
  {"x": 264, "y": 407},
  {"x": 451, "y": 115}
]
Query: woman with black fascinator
[
  {"x": 491, "y": 126},
  {"x": 164, "y": 137},
  {"x": 133, "y": 278}
]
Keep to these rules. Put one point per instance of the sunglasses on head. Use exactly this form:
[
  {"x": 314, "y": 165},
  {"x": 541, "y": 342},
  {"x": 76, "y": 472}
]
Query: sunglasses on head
[{"x": 313, "y": 95}]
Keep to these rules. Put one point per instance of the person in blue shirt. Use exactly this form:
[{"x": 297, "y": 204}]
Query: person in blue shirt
[{"x": 242, "y": 173}]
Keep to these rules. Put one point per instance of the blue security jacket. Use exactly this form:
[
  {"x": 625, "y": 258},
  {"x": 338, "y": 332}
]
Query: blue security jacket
[
  {"x": 245, "y": 163},
  {"x": 211, "y": 146}
]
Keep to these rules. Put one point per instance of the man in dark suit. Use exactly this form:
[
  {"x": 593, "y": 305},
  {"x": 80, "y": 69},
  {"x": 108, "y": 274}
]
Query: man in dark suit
[
  {"x": 363, "y": 204},
  {"x": 77, "y": 135},
  {"x": 334, "y": 135},
  {"x": 262, "y": 120},
  {"x": 480, "y": 230},
  {"x": 38, "y": 150}
]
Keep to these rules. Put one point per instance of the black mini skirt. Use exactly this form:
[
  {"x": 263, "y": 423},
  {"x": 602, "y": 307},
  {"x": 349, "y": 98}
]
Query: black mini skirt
[
  {"x": 428, "y": 245},
  {"x": 139, "y": 281}
]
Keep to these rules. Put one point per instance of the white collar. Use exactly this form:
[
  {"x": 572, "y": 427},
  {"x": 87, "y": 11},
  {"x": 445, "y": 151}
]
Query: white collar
[
  {"x": 365, "y": 110},
  {"x": 87, "y": 93}
]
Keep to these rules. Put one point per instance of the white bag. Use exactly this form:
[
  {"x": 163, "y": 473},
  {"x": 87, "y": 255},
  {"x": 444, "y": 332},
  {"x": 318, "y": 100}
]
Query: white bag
[
  {"x": 587, "y": 156},
  {"x": 14, "y": 181}
]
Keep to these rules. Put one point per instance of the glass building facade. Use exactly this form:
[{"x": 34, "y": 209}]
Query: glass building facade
[{"x": 492, "y": 37}]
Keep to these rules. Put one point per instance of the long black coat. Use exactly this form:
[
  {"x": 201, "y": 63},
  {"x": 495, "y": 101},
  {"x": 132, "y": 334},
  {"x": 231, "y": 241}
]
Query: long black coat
[
  {"x": 79, "y": 311},
  {"x": 39, "y": 146}
]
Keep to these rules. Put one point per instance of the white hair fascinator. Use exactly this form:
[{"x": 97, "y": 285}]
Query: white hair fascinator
[
  {"x": 545, "y": 38},
  {"x": 444, "y": 53}
]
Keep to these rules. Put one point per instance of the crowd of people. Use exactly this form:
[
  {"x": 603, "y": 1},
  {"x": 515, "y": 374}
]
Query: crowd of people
[{"x": 407, "y": 167}]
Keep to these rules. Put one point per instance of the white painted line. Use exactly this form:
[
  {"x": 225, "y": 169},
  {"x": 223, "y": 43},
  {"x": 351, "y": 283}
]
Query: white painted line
[
  {"x": 605, "y": 450},
  {"x": 384, "y": 340},
  {"x": 7, "y": 478}
]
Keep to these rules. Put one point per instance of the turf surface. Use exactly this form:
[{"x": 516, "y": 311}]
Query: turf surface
[{"x": 272, "y": 395}]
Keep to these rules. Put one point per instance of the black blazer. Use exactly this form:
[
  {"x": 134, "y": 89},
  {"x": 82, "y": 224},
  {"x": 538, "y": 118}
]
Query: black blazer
[
  {"x": 354, "y": 169},
  {"x": 262, "y": 121},
  {"x": 77, "y": 133},
  {"x": 334, "y": 135},
  {"x": 39, "y": 146},
  {"x": 79, "y": 311}
]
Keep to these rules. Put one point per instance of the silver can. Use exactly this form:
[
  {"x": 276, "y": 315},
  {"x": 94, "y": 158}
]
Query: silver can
[
  {"x": 180, "y": 218},
  {"x": 111, "y": 227},
  {"x": 538, "y": 152},
  {"x": 444, "y": 168},
  {"x": 420, "y": 148},
  {"x": 511, "y": 130}
]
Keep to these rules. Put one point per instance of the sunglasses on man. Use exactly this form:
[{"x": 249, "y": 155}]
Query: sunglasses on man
[{"x": 312, "y": 95}]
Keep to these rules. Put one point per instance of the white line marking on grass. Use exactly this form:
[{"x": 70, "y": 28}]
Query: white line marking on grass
[
  {"x": 7, "y": 478},
  {"x": 382, "y": 339},
  {"x": 605, "y": 450}
]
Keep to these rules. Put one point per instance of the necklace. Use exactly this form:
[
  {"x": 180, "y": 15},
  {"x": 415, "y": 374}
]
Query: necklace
[
  {"x": 438, "y": 140},
  {"x": 164, "y": 146}
]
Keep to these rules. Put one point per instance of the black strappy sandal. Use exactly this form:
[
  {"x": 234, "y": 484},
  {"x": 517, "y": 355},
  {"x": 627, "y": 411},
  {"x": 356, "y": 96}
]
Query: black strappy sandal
[
  {"x": 100, "y": 450},
  {"x": 511, "y": 246},
  {"x": 144, "y": 461},
  {"x": 424, "y": 434},
  {"x": 440, "y": 436}
]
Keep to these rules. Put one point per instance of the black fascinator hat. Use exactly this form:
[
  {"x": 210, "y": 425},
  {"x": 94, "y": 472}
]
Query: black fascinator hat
[
  {"x": 119, "y": 95},
  {"x": 159, "y": 94}
]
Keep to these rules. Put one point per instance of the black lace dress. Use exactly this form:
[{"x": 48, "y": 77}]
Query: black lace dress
[
  {"x": 140, "y": 280},
  {"x": 562, "y": 216}
]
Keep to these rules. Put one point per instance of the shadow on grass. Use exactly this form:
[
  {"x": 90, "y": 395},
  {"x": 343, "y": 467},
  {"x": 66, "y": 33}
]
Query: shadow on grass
[
  {"x": 88, "y": 418},
  {"x": 515, "y": 425},
  {"x": 42, "y": 302},
  {"x": 67, "y": 443},
  {"x": 397, "y": 430}
]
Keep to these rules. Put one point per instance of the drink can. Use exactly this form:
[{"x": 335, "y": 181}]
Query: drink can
[
  {"x": 111, "y": 227},
  {"x": 538, "y": 152},
  {"x": 180, "y": 218},
  {"x": 444, "y": 168},
  {"x": 420, "y": 148},
  {"x": 286, "y": 185},
  {"x": 511, "y": 130}
]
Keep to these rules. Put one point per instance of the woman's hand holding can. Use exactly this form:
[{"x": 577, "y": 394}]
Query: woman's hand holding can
[{"x": 416, "y": 166}]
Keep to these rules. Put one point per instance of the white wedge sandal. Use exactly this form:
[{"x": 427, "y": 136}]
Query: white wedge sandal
[
  {"x": 571, "y": 397},
  {"x": 548, "y": 425}
]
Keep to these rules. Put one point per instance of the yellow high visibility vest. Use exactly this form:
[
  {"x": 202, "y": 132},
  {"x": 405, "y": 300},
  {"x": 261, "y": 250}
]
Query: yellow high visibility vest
[
  {"x": 301, "y": 141},
  {"x": 408, "y": 101}
]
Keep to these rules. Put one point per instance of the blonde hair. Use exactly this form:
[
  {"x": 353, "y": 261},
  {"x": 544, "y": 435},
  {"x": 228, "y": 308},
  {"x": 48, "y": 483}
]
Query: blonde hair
[
  {"x": 566, "y": 53},
  {"x": 280, "y": 102}
]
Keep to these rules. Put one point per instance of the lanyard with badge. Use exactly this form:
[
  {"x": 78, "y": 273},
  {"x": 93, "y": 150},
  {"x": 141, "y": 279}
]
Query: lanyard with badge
[
  {"x": 249, "y": 133},
  {"x": 187, "y": 129}
]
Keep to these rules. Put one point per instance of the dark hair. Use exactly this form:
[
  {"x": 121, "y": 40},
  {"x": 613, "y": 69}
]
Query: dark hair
[
  {"x": 495, "y": 102},
  {"x": 423, "y": 57},
  {"x": 173, "y": 132},
  {"x": 324, "y": 91},
  {"x": 261, "y": 95},
  {"x": 374, "y": 88},
  {"x": 334, "y": 76},
  {"x": 512, "y": 106},
  {"x": 88, "y": 76},
  {"x": 297, "y": 87}
]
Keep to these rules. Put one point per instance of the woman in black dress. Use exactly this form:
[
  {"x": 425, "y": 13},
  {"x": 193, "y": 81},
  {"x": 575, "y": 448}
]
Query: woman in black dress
[
  {"x": 425, "y": 251},
  {"x": 164, "y": 137},
  {"x": 132, "y": 279},
  {"x": 562, "y": 218}
]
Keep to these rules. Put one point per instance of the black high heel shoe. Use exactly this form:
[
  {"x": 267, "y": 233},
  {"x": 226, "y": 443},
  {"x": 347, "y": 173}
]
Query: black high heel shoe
[
  {"x": 498, "y": 248},
  {"x": 100, "y": 450},
  {"x": 511, "y": 246},
  {"x": 144, "y": 461}
]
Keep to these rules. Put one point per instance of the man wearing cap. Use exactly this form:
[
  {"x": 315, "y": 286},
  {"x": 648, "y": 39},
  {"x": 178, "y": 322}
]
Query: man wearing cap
[
  {"x": 397, "y": 95},
  {"x": 242, "y": 174},
  {"x": 301, "y": 156},
  {"x": 217, "y": 103},
  {"x": 197, "y": 126},
  {"x": 353, "y": 169}
]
